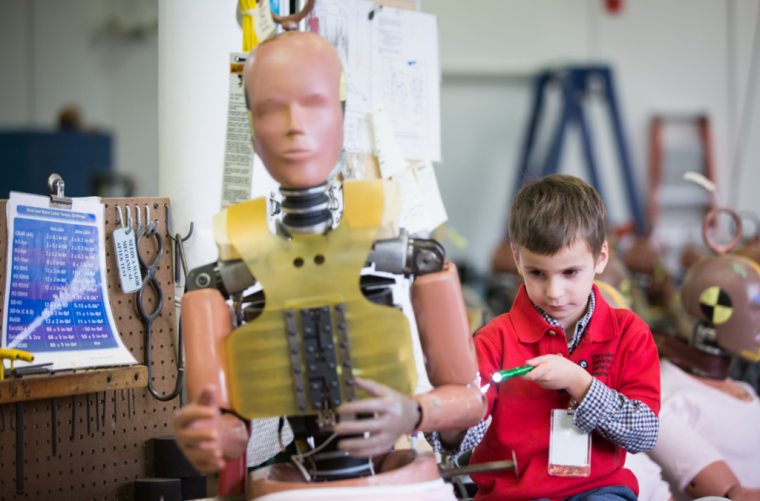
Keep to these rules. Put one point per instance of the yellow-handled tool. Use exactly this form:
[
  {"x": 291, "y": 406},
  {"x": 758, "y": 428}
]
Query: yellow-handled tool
[{"x": 13, "y": 355}]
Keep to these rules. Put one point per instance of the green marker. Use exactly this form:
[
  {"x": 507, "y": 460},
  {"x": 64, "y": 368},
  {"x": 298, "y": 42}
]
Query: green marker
[{"x": 517, "y": 371}]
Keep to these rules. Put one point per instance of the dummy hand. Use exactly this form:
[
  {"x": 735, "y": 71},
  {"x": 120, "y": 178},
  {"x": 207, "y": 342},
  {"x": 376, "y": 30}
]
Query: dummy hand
[
  {"x": 394, "y": 415},
  {"x": 555, "y": 372},
  {"x": 205, "y": 436}
]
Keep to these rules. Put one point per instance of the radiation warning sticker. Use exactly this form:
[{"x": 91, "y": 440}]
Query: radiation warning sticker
[{"x": 716, "y": 305}]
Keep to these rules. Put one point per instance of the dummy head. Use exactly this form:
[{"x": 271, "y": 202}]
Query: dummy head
[
  {"x": 724, "y": 292},
  {"x": 293, "y": 88}
]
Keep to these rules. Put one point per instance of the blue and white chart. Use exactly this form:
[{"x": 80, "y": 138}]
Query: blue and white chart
[{"x": 56, "y": 302}]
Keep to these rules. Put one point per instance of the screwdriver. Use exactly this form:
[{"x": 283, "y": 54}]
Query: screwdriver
[{"x": 517, "y": 371}]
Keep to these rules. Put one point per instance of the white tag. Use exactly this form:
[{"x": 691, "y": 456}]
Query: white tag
[
  {"x": 569, "y": 446},
  {"x": 126, "y": 259},
  {"x": 263, "y": 24},
  {"x": 388, "y": 153}
]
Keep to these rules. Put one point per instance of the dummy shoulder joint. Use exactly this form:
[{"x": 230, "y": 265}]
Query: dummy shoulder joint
[
  {"x": 228, "y": 277},
  {"x": 407, "y": 256}
]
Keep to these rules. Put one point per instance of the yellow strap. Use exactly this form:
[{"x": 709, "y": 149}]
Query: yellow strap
[{"x": 249, "y": 33}]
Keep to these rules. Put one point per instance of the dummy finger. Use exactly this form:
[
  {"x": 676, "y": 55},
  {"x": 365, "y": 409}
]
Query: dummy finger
[
  {"x": 372, "y": 387},
  {"x": 369, "y": 406},
  {"x": 360, "y": 426},
  {"x": 193, "y": 413},
  {"x": 195, "y": 437}
]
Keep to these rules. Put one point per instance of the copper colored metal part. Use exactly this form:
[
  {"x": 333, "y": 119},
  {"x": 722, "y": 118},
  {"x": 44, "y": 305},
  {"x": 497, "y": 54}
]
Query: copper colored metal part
[{"x": 708, "y": 222}]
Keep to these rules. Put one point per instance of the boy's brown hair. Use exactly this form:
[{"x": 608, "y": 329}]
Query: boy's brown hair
[{"x": 552, "y": 212}]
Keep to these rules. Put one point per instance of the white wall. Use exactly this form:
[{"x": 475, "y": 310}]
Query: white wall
[
  {"x": 54, "y": 53},
  {"x": 668, "y": 56}
]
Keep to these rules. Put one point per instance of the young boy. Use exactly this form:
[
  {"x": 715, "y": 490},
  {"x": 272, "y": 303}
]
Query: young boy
[{"x": 585, "y": 354}]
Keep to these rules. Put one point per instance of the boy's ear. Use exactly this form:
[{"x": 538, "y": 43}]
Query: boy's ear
[
  {"x": 604, "y": 257},
  {"x": 516, "y": 255}
]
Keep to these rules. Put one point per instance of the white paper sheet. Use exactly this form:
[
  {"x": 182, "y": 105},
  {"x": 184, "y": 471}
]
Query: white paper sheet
[
  {"x": 390, "y": 60},
  {"x": 406, "y": 79},
  {"x": 388, "y": 153},
  {"x": 56, "y": 302},
  {"x": 431, "y": 194}
]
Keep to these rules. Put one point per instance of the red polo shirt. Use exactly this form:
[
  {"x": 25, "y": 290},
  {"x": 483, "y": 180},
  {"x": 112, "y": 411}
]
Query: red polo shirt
[{"x": 617, "y": 349}]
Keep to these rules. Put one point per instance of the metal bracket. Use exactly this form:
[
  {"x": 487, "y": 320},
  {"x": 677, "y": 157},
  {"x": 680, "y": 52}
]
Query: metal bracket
[
  {"x": 317, "y": 373},
  {"x": 295, "y": 360},
  {"x": 347, "y": 372},
  {"x": 319, "y": 355}
]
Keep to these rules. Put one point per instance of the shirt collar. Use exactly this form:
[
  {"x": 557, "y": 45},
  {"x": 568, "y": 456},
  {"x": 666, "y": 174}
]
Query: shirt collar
[{"x": 531, "y": 325}]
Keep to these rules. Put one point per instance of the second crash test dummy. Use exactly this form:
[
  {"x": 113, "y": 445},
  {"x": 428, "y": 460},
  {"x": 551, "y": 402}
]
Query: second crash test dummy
[{"x": 319, "y": 344}]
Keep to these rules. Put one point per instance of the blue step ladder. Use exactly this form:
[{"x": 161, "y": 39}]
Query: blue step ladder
[{"x": 577, "y": 82}]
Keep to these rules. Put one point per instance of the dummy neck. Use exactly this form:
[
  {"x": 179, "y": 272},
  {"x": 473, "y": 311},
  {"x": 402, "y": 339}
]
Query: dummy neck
[
  {"x": 701, "y": 357},
  {"x": 307, "y": 210}
]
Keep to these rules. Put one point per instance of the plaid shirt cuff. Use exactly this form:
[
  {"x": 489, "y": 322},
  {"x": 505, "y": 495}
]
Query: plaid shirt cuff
[
  {"x": 629, "y": 424},
  {"x": 472, "y": 438}
]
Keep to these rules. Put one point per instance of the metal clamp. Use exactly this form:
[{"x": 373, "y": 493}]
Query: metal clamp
[{"x": 58, "y": 200}]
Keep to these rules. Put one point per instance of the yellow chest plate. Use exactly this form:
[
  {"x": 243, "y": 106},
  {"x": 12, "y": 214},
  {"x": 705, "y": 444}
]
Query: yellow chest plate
[{"x": 311, "y": 271}]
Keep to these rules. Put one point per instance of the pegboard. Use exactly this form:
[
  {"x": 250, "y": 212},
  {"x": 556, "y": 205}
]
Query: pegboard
[{"x": 104, "y": 464}]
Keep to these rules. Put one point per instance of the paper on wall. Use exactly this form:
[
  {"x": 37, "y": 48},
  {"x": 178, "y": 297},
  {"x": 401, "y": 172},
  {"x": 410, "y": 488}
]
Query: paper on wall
[
  {"x": 390, "y": 59},
  {"x": 406, "y": 79},
  {"x": 238, "y": 150},
  {"x": 414, "y": 213},
  {"x": 388, "y": 154},
  {"x": 431, "y": 194},
  {"x": 56, "y": 301}
]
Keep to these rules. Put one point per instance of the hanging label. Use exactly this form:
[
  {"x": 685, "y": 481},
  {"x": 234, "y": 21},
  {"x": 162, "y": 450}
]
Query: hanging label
[
  {"x": 126, "y": 260},
  {"x": 263, "y": 23},
  {"x": 238, "y": 151},
  {"x": 569, "y": 446}
]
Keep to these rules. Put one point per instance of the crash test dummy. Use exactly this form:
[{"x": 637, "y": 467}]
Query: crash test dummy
[
  {"x": 589, "y": 371},
  {"x": 319, "y": 344},
  {"x": 709, "y": 441}
]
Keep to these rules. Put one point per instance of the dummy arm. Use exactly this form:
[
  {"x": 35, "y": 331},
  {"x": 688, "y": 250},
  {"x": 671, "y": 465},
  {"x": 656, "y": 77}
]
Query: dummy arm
[
  {"x": 456, "y": 403},
  {"x": 207, "y": 437},
  {"x": 717, "y": 479}
]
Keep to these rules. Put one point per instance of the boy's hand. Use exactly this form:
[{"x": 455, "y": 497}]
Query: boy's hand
[{"x": 555, "y": 372}]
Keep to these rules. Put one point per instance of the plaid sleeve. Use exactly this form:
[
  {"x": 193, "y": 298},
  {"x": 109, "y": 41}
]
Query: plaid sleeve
[
  {"x": 472, "y": 438},
  {"x": 629, "y": 424}
]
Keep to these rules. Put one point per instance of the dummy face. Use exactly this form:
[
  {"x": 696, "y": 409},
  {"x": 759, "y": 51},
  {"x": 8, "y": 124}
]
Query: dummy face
[
  {"x": 560, "y": 284},
  {"x": 293, "y": 86}
]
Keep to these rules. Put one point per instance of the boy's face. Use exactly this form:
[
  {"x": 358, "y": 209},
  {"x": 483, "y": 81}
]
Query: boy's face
[{"x": 560, "y": 284}]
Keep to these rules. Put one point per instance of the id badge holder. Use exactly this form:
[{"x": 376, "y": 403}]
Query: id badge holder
[{"x": 569, "y": 446}]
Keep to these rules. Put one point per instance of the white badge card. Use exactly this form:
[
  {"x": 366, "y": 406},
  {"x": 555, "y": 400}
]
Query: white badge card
[{"x": 569, "y": 446}]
